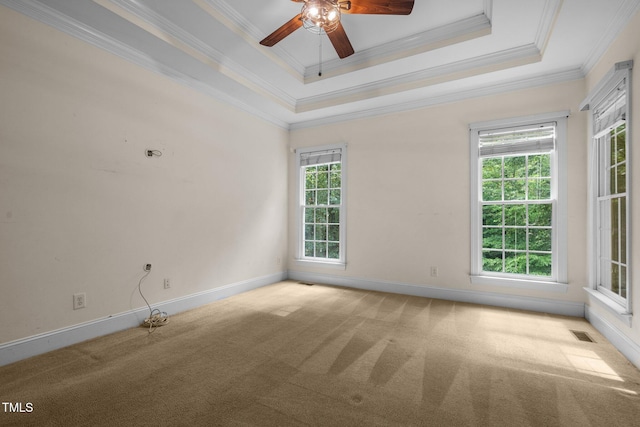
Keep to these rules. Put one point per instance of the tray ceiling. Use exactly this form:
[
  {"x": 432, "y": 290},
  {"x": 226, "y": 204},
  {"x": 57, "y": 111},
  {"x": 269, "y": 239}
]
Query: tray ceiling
[{"x": 439, "y": 53}]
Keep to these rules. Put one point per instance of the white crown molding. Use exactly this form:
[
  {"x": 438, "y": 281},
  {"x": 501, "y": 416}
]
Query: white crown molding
[
  {"x": 232, "y": 68},
  {"x": 452, "y": 71},
  {"x": 239, "y": 24},
  {"x": 446, "y": 35},
  {"x": 547, "y": 23},
  {"x": 624, "y": 14},
  {"x": 455, "y": 96},
  {"x": 466, "y": 29}
]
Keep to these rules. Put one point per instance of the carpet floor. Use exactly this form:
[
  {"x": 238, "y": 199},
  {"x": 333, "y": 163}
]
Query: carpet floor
[{"x": 291, "y": 354}]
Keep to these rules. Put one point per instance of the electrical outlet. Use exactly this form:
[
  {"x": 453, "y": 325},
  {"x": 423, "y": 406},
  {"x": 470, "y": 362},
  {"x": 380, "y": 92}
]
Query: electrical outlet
[
  {"x": 434, "y": 271},
  {"x": 79, "y": 301},
  {"x": 167, "y": 283}
]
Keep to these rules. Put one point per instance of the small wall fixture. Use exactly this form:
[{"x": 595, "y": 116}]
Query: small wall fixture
[{"x": 151, "y": 153}]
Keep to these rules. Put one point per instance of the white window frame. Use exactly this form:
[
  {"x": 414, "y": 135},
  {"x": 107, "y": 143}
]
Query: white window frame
[
  {"x": 300, "y": 257},
  {"x": 558, "y": 280},
  {"x": 619, "y": 75}
]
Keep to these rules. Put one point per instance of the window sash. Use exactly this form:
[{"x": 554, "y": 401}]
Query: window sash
[
  {"x": 317, "y": 157},
  {"x": 557, "y": 281},
  {"x": 610, "y": 107}
]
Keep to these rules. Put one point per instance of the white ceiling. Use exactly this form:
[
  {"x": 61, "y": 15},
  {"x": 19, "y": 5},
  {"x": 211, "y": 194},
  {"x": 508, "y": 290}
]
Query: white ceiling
[{"x": 444, "y": 51}]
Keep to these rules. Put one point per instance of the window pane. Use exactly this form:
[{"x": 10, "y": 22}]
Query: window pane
[
  {"x": 621, "y": 148},
  {"x": 333, "y": 250},
  {"x": 334, "y": 215},
  {"x": 491, "y": 190},
  {"x": 540, "y": 166},
  {"x": 623, "y": 282},
  {"x": 540, "y": 215},
  {"x": 321, "y": 249},
  {"x": 309, "y": 233},
  {"x": 310, "y": 198},
  {"x": 514, "y": 189},
  {"x": 615, "y": 278},
  {"x": 336, "y": 167},
  {"x": 323, "y": 179},
  {"x": 540, "y": 189},
  {"x": 308, "y": 248},
  {"x": 540, "y": 264},
  {"x": 621, "y": 178},
  {"x": 612, "y": 180},
  {"x": 492, "y": 168},
  {"x": 311, "y": 179},
  {"x": 323, "y": 197},
  {"x": 623, "y": 230},
  {"x": 321, "y": 232},
  {"x": 492, "y": 261},
  {"x": 309, "y": 215},
  {"x": 492, "y": 215},
  {"x": 335, "y": 180},
  {"x": 515, "y": 263},
  {"x": 515, "y": 238},
  {"x": 321, "y": 215},
  {"x": 615, "y": 230},
  {"x": 540, "y": 239},
  {"x": 334, "y": 233},
  {"x": 515, "y": 167},
  {"x": 492, "y": 238},
  {"x": 515, "y": 215},
  {"x": 334, "y": 197}
]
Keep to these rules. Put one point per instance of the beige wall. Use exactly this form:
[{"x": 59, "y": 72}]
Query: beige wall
[
  {"x": 626, "y": 47},
  {"x": 82, "y": 209},
  {"x": 408, "y": 189}
]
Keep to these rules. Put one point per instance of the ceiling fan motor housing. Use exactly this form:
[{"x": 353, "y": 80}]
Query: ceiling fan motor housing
[{"x": 321, "y": 15}]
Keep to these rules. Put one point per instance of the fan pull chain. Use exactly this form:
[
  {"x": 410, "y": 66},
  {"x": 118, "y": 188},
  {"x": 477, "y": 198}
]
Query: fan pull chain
[{"x": 320, "y": 54}]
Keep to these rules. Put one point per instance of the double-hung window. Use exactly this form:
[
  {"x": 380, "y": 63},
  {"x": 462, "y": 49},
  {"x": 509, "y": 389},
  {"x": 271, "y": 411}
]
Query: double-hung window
[
  {"x": 519, "y": 202},
  {"x": 609, "y": 177},
  {"x": 321, "y": 207}
]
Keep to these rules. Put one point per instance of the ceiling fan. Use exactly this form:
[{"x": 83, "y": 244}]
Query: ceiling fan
[{"x": 324, "y": 16}]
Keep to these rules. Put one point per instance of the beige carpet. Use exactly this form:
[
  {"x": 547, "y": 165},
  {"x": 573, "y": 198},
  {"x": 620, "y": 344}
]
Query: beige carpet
[{"x": 291, "y": 354}]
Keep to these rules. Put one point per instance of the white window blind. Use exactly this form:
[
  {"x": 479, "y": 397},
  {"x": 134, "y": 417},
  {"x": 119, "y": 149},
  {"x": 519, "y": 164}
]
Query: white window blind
[
  {"x": 320, "y": 157},
  {"x": 525, "y": 139},
  {"x": 611, "y": 111}
]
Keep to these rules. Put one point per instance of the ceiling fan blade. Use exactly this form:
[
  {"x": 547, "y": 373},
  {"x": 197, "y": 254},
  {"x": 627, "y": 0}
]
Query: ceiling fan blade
[
  {"x": 282, "y": 32},
  {"x": 340, "y": 41},
  {"x": 379, "y": 7}
]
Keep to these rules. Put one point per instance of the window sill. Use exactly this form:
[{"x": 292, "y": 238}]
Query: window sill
[
  {"x": 519, "y": 283},
  {"x": 613, "y": 307},
  {"x": 321, "y": 263}
]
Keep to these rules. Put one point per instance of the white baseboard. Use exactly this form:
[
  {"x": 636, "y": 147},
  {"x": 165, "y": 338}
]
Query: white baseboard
[
  {"x": 14, "y": 351},
  {"x": 624, "y": 344},
  {"x": 566, "y": 308}
]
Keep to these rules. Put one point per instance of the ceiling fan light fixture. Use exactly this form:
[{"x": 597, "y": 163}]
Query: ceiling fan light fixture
[{"x": 321, "y": 15}]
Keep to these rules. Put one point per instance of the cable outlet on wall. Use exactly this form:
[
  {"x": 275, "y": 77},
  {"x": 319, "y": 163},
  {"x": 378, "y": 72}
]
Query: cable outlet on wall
[
  {"x": 434, "y": 271},
  {"x": 79, "y": 301},
  {"x": 167, "y": 283}
]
